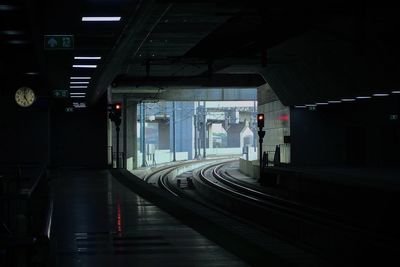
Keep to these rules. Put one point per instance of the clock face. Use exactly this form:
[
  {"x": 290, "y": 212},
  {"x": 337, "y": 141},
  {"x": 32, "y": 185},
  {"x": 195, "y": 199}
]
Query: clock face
[{"x": 25, "y": 96}]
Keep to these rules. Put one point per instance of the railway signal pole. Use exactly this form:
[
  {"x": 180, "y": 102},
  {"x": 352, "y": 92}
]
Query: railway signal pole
[{"x": 261, "y": 134}]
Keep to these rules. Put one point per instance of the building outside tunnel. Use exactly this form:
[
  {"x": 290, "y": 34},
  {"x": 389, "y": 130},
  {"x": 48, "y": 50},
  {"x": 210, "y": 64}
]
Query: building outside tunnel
[{"x": 226, "y": 128}]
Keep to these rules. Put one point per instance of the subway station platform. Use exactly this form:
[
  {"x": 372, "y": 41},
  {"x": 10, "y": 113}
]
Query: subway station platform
[{"x": 98, "y": 221}]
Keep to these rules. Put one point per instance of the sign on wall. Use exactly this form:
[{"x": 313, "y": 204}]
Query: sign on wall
[{"x": 58, "y": 42}]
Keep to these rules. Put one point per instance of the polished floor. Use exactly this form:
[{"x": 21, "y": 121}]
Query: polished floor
[{"x": 99, "y": 222}]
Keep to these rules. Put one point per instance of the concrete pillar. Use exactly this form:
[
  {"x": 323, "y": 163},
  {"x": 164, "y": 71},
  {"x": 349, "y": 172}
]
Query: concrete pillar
[
  {"x": 173, "y": 131},
  {"x": 109, "y": 142},
  {"x": 269, "y": 104},
  {"x": 204, "y": 129},
  {"x": 143, "y": 133},
  {"x": 196, "y": 155},
  {"x": 131, "y": 135},
  {"x": 210, "y": 136},
  {"x": 124, "y": 130}
]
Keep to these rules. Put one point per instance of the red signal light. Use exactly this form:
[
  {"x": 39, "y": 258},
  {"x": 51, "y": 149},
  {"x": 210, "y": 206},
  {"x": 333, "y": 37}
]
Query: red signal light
[
  {"x": 117, "y": 106},
  {"x": 260, "y": 120}
]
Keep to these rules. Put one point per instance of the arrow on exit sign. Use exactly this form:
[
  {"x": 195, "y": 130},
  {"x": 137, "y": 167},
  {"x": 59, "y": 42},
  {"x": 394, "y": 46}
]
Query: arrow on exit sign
[{"x": 58, "y": 42}]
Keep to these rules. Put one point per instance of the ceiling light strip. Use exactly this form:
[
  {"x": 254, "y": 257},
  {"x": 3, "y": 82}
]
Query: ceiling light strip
[
  {"x": 79, "y": 82},
  {"x": 90, "y": 58},
  {"x": 80, "y": 78},
  {"x": 84, "y": 66},
  {"x": 380, "y": 94},
  {"x": 4, "y": 7},
  {"x": 101, "y": 18},
  {"x": 12, "y": 32}
]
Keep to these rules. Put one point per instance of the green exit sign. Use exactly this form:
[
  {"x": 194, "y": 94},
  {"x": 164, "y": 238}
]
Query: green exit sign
[
  {"x": 69, "y": 109},
  {"x": 394, "y": 117},
  {"x": 60, "y": 93},
  {"x": 57, "y": 42}
]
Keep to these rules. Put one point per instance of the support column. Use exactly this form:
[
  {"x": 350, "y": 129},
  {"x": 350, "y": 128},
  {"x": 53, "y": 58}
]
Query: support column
[
  {"x": 204, "y": 129},
  {"x": 124, "y": 131},
  {"x": 196, "y": 155},
  {"x": 173, "y": 131},
  {"x": 110, "y": 143},
  {"x": 131, "y": 145},
  {"x": 143, "y": 133}
]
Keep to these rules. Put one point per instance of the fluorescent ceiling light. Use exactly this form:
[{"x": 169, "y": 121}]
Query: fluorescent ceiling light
[
  {"x": 311, "y": 105},
  {"x": 7, "y": 7},
  {"x": 84, "y": 66},
  {"x": 87, "y": 57},
  {"x": 81, "y": 78},
  {"x": 348, "y": 99},
  {"x": 12, "y": 32},
  {"x": 17, "y": 42},
  {"x": 77, "y": 96},
  {"x": 395, "y": 92},
  {"x": 77, "y": 93},
  {"x": 363, "y": 97},
  {"x": 299, "y": 106},
  {"x": 380, "y": 94},
  {"x": 334, "y": 101},
  {"x": 32, "y": 73},
  {"x": 322, "y": 103},
  {"x": 101, "y": 18},
  {"x": 78, "y": 87},
  {"x": 79, "y": 82}
]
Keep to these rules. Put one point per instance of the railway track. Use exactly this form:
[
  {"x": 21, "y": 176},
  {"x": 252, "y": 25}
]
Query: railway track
[
  {"x": 331, "y": 233},
  {"x": 324, "y": 232}
]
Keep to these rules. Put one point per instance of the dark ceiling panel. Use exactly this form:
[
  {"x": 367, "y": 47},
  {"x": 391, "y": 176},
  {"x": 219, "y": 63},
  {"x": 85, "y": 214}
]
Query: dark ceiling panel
[
  {"x": 307, "y": 52},
  {"x": 18, "y": 61},
  {"x": 90, "y": 38}
]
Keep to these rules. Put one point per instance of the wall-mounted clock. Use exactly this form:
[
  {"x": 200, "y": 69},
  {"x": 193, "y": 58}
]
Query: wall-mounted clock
[{"x": 25, "y": 96}]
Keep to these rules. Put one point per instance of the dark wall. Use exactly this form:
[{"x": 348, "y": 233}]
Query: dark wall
[
  {"x": 56, "y": 138},
  {"x": 359, "y": 133},
  {"x": 23, "y": 131},
  {"x": 79, "y": 138},
  {"x": 348, "y": 56}
]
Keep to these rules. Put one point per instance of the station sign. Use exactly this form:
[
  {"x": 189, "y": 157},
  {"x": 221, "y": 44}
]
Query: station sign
[
  {"x": 58, "y": 42},
  {"x": 60, "y": 93}
]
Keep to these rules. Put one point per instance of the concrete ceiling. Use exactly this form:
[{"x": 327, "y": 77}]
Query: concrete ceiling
[{"x": 305, "y": 53}]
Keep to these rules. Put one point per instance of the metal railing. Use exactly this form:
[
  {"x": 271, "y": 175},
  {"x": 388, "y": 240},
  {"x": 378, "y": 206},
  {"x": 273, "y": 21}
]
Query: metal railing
[{"x": 25, "y": 214}]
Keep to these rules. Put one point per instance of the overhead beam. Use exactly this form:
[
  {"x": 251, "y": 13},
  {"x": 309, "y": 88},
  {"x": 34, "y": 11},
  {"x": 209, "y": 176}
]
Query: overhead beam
[
  {"x": 194, "y": 94},
  {"x": 214, "y": 81}
]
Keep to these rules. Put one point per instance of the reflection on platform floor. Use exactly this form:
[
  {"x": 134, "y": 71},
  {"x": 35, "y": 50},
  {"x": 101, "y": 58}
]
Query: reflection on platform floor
[{"x": 99, "y": 222}]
